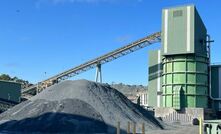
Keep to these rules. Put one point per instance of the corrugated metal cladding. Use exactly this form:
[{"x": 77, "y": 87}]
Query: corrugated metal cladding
[
  {"x": 155, "y": 79},
  {"x": 182, "y": 31},
  {"x": 10, "y": 91},
  {"x": 216, "y": 85}
]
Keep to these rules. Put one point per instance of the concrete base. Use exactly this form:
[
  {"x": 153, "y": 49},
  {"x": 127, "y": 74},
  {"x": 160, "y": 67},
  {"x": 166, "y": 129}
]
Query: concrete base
[{"x": 184, "y": 116}]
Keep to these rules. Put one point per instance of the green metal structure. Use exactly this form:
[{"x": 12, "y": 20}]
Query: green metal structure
[
  {"x": 185, "y": 61},
  {"x": 185, "y": 81},
  {"x": 216, "y": 86},
  {"x": 10, "y": 91},
  {"x": 155, "y": 79},
  {"x": 183, "y": 31}
]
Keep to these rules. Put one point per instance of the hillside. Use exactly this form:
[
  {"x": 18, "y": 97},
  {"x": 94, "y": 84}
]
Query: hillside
[{"x": 129, "y": 90}]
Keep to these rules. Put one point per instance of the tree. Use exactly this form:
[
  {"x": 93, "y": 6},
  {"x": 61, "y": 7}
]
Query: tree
[{"x": 5, "y": 77}]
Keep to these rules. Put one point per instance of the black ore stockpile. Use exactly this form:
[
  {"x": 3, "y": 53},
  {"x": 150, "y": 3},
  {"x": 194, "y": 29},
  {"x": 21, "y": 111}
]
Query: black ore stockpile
[{"x": 76, "y": 107}]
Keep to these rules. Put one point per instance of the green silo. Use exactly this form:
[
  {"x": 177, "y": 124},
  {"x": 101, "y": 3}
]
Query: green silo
[{"x": 185, "y": 61}]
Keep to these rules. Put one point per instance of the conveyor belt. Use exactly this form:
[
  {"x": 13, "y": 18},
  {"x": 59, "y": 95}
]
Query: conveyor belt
[{"x": 153, "y": 38}]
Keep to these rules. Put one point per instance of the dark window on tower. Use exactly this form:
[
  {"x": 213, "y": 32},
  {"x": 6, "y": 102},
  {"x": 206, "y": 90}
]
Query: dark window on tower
[{"x": 177, "y": 13}]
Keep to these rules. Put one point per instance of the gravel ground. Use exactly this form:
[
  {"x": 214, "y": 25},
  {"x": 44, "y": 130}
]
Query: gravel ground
[
  {"x": 179, "y": 130},
  {"x": 77, "y": 106}
]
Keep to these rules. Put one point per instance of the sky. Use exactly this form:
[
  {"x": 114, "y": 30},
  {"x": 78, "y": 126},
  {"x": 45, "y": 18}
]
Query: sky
[{"x": 40, "y": 38}]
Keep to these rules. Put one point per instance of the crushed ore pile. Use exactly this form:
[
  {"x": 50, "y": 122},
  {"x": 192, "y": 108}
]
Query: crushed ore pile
[{"x": 77, "y": 107}]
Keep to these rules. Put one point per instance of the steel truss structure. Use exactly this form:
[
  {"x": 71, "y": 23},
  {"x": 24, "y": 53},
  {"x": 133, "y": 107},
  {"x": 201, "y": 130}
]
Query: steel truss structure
[{"x": 134, "y": 46}]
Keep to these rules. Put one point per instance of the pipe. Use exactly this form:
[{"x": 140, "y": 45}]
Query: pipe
[{"x": 209, "y": 54}]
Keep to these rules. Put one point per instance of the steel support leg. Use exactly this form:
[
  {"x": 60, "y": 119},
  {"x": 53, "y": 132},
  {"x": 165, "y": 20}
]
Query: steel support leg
[
  {"x": 38, "y": 87},
  {"x": 98, "y": 76}
]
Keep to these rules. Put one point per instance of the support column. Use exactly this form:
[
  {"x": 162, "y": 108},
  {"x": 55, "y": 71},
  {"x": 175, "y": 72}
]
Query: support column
[
  {"x": 98, "y": 76},
  {"x": 38, "y": 88}
]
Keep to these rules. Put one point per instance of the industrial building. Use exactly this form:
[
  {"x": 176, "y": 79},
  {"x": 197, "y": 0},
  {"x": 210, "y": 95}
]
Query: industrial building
[
  {"x": 10, "y": 94},
  {"x": 216, "y": 86},
  {"x": 180, "y": 73},
  {"x": 183, "y": 84}
]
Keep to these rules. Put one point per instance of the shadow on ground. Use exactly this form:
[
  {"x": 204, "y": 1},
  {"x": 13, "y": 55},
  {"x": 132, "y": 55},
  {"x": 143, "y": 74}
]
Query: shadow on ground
[{"x": 57, "y": 123}]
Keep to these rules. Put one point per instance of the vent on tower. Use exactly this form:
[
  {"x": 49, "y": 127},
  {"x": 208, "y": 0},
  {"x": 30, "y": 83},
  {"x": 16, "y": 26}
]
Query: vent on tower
[{"x": 177, "y": 13}]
